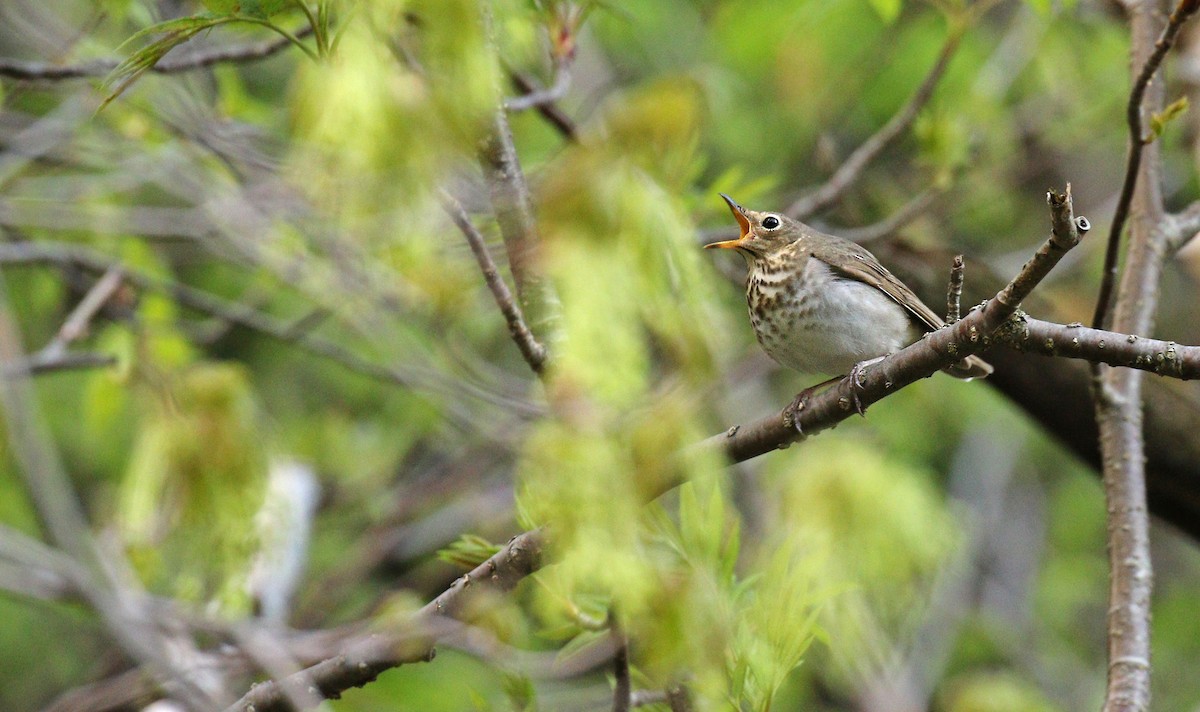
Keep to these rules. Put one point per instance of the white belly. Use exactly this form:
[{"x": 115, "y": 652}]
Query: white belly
[{"x": 834, "y": 324}]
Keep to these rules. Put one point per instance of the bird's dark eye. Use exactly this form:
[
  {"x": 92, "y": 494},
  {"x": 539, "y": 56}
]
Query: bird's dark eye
[{"x": 770, "y": 222}]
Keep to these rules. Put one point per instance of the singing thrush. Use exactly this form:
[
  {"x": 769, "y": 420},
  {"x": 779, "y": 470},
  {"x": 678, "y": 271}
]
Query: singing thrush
[{"x": 821, "y": 304}]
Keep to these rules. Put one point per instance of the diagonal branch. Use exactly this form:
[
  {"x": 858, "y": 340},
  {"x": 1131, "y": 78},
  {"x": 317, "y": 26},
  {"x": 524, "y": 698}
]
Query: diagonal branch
[
  {"x": 46, "y": 71},
  {"x": 549, "y": 111},
  {"x": 512, "y": 203},
  {"x": 847, "y": 174},
  {"x": 366, "y": 659},
  {"x": 902, "y": 216},
  {"x": 531, "y": 349}
]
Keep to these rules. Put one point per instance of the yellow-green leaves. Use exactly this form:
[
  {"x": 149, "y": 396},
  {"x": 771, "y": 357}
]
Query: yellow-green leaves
[
  {"x": 884, "y": 531},
  {"x": 187, "y": 503},
  {"x": 1159, "y": 120},
  {"x": 888, "y": 10},
  {"x": 170, "y": 35}
]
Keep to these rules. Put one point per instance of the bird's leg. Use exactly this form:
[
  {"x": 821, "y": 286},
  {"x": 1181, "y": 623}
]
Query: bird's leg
[
  {"x": 855, "y": 376},
  {"x": 791, "y": 414}
]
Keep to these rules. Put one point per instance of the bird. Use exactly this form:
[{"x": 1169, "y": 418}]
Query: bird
[{"x": 821, "y": 304}]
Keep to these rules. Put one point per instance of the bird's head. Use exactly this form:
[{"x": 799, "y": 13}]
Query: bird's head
[{"x": 762, "y": 233}]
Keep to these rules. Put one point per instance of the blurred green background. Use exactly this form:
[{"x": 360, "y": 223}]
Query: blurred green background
[{"x": 943, "y": 553}]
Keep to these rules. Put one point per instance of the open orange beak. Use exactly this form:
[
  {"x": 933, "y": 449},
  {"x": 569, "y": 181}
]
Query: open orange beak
[{"x": 743, "y": 222}]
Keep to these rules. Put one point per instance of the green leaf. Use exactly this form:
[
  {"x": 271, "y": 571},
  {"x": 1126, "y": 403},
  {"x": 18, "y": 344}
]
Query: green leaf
[
  {"x": 261, "y": 9},
  {"x": 888, "y": 10},
  {"x": 1159, "y": 121},
  {"x": 469, "y": 551},
  {"x": 175, "y": 33}
]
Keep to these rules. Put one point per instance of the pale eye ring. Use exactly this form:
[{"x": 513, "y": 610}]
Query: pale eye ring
[{"x": 770, "y": 222}]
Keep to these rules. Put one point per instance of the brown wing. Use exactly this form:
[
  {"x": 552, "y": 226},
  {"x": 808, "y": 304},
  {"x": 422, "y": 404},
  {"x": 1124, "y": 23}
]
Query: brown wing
[{"x": 860, "y": 265}]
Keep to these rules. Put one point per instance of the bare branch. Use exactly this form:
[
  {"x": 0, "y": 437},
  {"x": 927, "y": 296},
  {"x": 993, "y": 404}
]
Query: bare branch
[
  {"x": 1184, "y": 225},
  {"x": 622, "y": 687},
  {"x": 850, "y": 170},
  {"x": 532, "y": 350},
  {"x": 549, "y": 111},
  {"x": 41, "y": 363},
  {"x": 542, "y": 97},
  {"x": 364, "y": 660},
  {"x": 1118, "y": 392},
  {"x": 513, "y": 205},
  {"x": 76, "y": 324},
  {"x": 1137, "y": 144},
  {"x": 1164, "y": 358},
  {"x": 902, "y": 216},
  {"x": 45, "y": 71},
  {"x": 954, "y": 291}
]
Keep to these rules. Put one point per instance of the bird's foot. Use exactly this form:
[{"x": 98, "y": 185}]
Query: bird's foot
[
  {"x": 856, "y": 384},
  {"x": 791, "y": 414}
]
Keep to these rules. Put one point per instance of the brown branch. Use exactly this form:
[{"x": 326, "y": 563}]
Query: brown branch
[
  {"x": 77, "y": 322},
  {"x": 954, "y": 290},
  {"x": 1137, "y": 144},
  {"x": 1118, "y": 392},
  {"x": 45, "y": 71},
  {"x": 679, "y": 699},
  {"x": 1054, "y": 393},
  {"x": 512, "y": 203},
  {"x": 542, "y": 97},
  {"x": 549, "y": 111},
  {"x": 1183, "y": 226},
  {"x": 622, "y": 687},
  {"x": 364, "y": 660},
  {"x": 40, "y": 363},
  {"x": 850, "y": 170},
  {"x": 971, "y": 334},
  {"x": 531, "y": 349},
  {"x": 1163, "y": 358}
]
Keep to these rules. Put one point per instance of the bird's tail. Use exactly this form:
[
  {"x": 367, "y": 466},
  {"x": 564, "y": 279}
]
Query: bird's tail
[{"x": 970, "y": 367}]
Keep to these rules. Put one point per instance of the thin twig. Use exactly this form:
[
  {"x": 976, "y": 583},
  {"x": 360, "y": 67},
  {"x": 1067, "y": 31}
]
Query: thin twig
[
  {"x": 40, "y": 363},
  {"x": 21, "y": 69},
  {"x": 901, "y": 217},
  {"x": 531, "y": 349},
  {"x": 1183, "y": 226},
  {"x": 542, "y": 97},
  {"x": 549, "y": 111},
  {"x": 847, "y": 174},
  {"x": 76, "y": 323},
  {"x": 622, "y": 686},
  {"x": 512, "y": 202},
  {"x": 1137, "y": 143},
  {"x": 679, "y": 699},
  {"x": 366, "y": 659},
  {"x": 954, "y": 291}
]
